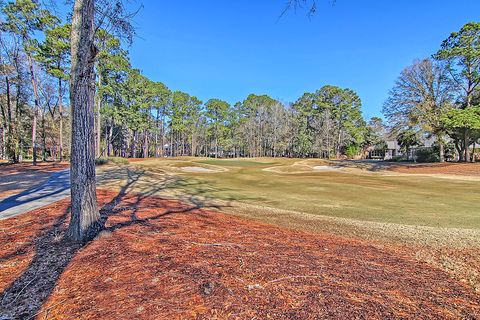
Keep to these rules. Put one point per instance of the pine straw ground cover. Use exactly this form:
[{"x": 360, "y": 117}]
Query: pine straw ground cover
[{"x": 161, "y": 259}]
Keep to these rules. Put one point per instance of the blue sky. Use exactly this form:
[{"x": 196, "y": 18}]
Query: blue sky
[{"x": 229, "y": 48}]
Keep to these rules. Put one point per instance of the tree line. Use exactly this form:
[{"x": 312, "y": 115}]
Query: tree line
[
  {"x": 138, "y": 117},
  {"x": 439, "y": 97},
  {"x": 134, "y": 116}
]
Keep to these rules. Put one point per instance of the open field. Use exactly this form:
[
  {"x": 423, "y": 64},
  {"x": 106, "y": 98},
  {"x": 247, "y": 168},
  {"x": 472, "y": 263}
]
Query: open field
[
  {"x": 322, "y": 188},
  {"x": 434, "y": 216}
]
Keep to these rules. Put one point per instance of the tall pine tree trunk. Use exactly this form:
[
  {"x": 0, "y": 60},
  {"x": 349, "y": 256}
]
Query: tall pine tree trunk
[
  {"x": 98, "y": 135},
  {"x": 109, "y": 142},
  {"x": 60, "y": 124},
  {"x": 44, "y": 138},
  {"x": 35, "y": 111},
  {"x": 85, "y": 220}
]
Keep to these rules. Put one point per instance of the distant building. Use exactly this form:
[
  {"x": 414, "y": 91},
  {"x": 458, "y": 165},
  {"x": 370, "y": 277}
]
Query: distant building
[{"x": 394, "y": 150}]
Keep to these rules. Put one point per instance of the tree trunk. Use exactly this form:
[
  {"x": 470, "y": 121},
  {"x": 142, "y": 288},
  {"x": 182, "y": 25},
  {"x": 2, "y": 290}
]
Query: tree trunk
[
  {"x": 157, "y": 127},
  {"x": 44, "y": 139},
  {"x": 466, "y": 145},
  {"x": 35, "y": 111},
  {"x": 98, "y": 128},
  {"x": 441, "y": 146},
  {"x": 85, "y": 220},
  {"x": 6, "y": 122},
  {"x": 473, "y": 152},
  {"x": 133, "y": 150},
  {"x": 216, "y": 141},
  {"x": 109, "y": 142},
  {"x": 145, "y": 144},
  {"x": 60, "y": 124},
  {"x": 162, "y": 152}
]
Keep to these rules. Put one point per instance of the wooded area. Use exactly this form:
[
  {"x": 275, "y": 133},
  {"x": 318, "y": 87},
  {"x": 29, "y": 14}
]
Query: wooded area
[{"x": 139, "y": 117}]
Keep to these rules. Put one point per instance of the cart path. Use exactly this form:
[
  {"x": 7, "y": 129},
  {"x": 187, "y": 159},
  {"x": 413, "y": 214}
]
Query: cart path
[{"x": 56, "y": 188}]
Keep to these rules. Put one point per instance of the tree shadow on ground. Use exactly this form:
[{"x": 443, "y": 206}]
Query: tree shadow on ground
[
  {"x": 23, "y": 299},
  {"x": 56, "y": 184},
  {"x": 371, "y": 165}
]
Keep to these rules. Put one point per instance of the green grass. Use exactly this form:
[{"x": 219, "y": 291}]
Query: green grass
[
  {"x": 411, "y": 200},
  {"x": 116, "y": 160},
  {"x": 236, "y": 163}
]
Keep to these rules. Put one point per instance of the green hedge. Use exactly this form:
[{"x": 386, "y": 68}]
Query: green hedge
[{"x": 116, "y": 160}]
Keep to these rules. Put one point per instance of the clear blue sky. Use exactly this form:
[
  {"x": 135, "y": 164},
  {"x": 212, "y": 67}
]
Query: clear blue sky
[{"x": 229, "y": 48}]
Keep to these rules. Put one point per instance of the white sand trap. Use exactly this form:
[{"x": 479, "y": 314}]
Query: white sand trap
[
  {"x": 198, "y": 169},
  {"x": 327, "y": 168}
]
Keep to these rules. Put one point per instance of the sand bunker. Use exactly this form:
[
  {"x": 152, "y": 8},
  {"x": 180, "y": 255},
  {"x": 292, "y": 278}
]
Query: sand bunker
[
  {"x": 300, "y": 168},
  {"x": 327, "y": 168},
  {"x": 198, "y": 169}
]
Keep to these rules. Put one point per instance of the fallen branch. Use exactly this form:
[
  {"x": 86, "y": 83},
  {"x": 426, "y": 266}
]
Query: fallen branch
[
  {"x": 20, "y": 292},
  {"x": 216, "y": 244}
]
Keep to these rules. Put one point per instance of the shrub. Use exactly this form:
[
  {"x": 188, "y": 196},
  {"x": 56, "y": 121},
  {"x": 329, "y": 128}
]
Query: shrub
[
  {"x": 116, "y": 160},
  {"x": 352, "y": 151},
  {"x": 101, "y": 160},
  {"x": 398, "y": 159},
  {"x": 427, "y": 155}
]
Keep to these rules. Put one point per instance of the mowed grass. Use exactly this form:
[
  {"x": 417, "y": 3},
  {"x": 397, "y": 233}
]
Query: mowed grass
[
  {"x": 236, "y": 163},
  {"x": 403, "y": 199}
]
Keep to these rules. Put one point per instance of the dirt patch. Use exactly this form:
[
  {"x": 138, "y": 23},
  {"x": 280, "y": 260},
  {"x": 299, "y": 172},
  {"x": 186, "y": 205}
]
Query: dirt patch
[
  {"x": 464, "y": 169},
  {"x": 163, "y": 259}
]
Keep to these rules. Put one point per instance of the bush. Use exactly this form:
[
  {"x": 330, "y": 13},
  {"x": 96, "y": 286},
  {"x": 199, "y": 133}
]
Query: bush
[
  {"x": 352, "y": 151},
  {"x": 116, "y": 160},
  {"x": 427, "y": 155},
  {"x": 398, "y": 159}
]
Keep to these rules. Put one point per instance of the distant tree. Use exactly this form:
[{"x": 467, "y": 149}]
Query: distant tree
[
  {"x": 407, "y": 139},
  {"x": 464, "y": 120},
  {"x": 194, "y": 115},
  {"x": 346, "y": 117},
  {"x": 461, "y": 54},
  {"x": 12, "y": 110},
  {"x": 161, "y": 103},
  {"x": 376, "y": 134},
  {"x": 23, "y": 18},
  {"x": 178, "y": 122},
  {"x": 54, "y": 53},
  {"x": 217, "y": 112},
  {"x": 421, "y": 96}
]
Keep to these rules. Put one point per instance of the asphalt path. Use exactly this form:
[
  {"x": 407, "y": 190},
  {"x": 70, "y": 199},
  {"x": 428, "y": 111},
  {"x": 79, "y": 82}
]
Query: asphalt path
[{"x": 56, "y": 188}]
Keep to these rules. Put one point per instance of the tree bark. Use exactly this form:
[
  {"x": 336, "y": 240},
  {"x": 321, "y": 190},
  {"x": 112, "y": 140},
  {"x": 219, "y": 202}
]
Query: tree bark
[
  {"x": 35, "y": 111},
  {"x": 109, "y": 142},
  {"x": 441, "y": 146},
  {"x": 60, "y": 124},
  {"x": 466, "y": 145},
  {"x": 85, "y": 220},
  {"x": 98, "y": 128},
  {"x": 44, "y": 139}
]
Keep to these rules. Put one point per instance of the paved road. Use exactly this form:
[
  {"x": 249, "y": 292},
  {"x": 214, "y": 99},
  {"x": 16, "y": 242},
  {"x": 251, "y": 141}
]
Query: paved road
[{"x": 54, "y": 189}]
